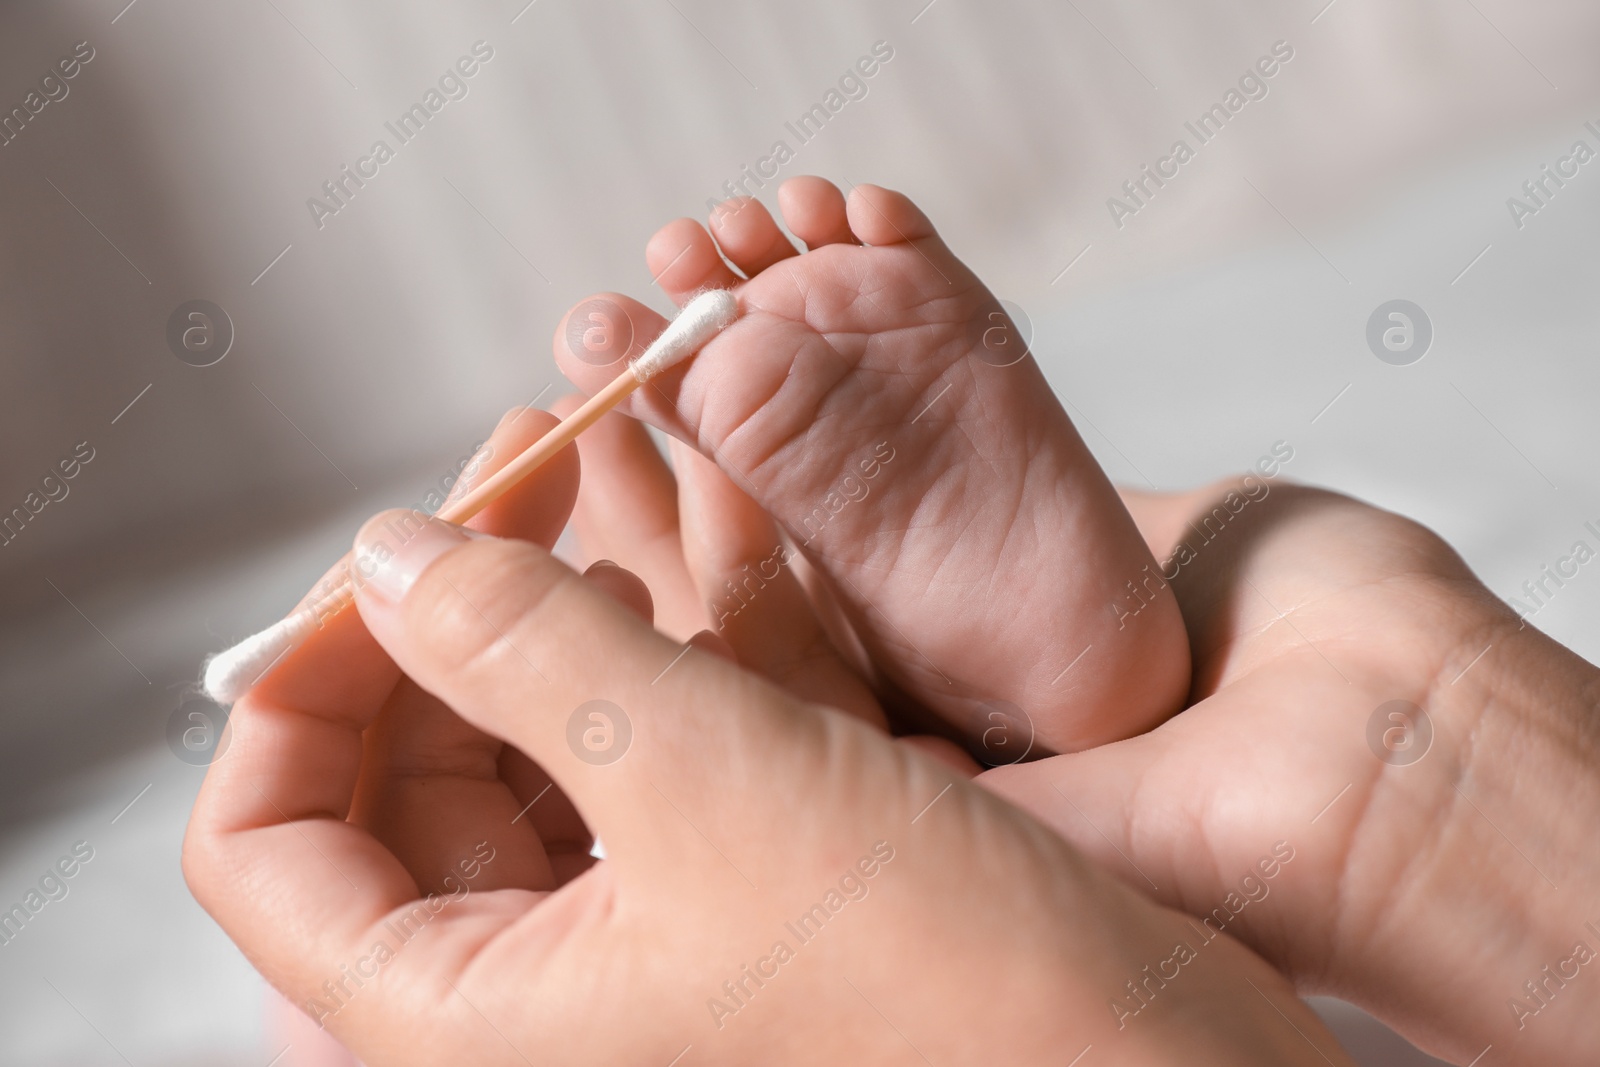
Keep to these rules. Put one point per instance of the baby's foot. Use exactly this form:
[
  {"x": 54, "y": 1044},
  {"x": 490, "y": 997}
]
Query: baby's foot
[{"x": 870, "y": 399}]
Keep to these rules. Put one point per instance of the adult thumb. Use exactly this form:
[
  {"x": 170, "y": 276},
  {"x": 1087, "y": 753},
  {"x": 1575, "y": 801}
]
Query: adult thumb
[
  {"x": 1091, "y": 799},
  {"x": 628, "y": 723}
]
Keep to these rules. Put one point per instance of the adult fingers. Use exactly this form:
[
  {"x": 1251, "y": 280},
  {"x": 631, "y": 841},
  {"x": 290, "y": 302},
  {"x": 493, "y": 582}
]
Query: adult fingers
[
  {"x": 624, "y": 720},
  {"x": 431, "y": 793},
  {"x": 430, "y": 789},
  {"x": 267, "y": 851},
  {"x": 536, "y": 508},
  {"x": 623, "y": 586},
  {"x": 1183, "y": 812},
  {"x": 567, "y": 841},
  {"x": 627, "y": 512}
]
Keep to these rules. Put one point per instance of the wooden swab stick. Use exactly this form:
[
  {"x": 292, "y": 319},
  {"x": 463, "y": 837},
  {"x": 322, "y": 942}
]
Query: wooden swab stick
[{"x": 232, "y": 673}]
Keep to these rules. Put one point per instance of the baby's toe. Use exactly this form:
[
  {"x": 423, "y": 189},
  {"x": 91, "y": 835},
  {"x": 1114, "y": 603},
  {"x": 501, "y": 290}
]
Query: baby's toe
[
  {"x": 683, "y": 259},
  {"x": 747, "y": 235},
  {"x": 813, "y": 209}
]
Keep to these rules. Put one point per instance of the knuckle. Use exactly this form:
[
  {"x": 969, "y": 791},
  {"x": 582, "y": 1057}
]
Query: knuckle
[{"x": 476, "y": 606}]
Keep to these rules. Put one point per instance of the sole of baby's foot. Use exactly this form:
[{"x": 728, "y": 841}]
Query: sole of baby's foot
[{"x": 877, "y": 401}]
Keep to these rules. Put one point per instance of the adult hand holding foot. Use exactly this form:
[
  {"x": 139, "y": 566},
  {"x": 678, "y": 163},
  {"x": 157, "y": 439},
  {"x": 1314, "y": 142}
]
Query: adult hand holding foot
[
  {"x": 1452, "y": 896},
  {"x": 785, "y": 885},
  {"x": 1388, "y": 789},
  {"x": 1445, "y": 872}
]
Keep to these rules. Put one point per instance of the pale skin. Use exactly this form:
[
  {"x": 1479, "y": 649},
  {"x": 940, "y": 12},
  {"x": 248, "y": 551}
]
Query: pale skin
[
  {"x": 439, "y": 757},
  {"x": 403, "y": 740},
  {"x": 877, "y": 351},
  {"x": 1425, "y": 892},
  {"x": 1429, "y": 893}
]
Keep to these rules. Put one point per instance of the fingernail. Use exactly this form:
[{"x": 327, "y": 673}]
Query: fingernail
[{"x": 394, "y": 548}]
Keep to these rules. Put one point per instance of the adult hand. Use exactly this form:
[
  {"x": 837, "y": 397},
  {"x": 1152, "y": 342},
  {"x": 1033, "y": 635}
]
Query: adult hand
[
  {"x": 785, "y": 884},
  {"x": 1452, "y": 890}
]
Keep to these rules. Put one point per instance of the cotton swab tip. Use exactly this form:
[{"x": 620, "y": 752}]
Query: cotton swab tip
[
  {"x": 701, "y": 319},
  {"x": 230, "y": 673}
]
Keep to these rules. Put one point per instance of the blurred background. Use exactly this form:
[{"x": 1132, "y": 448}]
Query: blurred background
[{"x": 350, "y": 355}]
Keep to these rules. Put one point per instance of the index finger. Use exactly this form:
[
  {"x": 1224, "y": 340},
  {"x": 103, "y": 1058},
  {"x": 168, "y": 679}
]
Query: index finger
[{"x": 268, "y": 851}]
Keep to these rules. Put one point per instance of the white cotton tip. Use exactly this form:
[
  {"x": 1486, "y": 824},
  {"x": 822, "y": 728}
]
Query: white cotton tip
[
  {"x": 230, "y": 674},
  {"x": 705, "y": 316}
]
